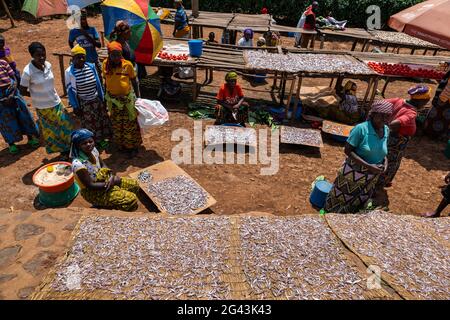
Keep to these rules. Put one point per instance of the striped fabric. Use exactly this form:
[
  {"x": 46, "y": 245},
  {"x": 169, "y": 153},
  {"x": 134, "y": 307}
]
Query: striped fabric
[
  {"x": 6, "y": 73},
  {"x": 86, "y": 84}
]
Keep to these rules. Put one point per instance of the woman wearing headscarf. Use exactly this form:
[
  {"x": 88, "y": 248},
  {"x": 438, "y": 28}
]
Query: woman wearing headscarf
[
  {"x": 366, "y": 151},
  {"x": 402, "y": 127},
  {"x": 121, "y": 91},
  {"x": 181, "y": 28},
  {"x": 231, "y": 106},
  {"x": 54, "y": 121},
  {"x": 349, "y": 111},
  {"x": 15, "y": 118},
  {"x": 99, "y": 186},
  {"x": 86, "y": 96},
  {"x": 247, "y": 39}
]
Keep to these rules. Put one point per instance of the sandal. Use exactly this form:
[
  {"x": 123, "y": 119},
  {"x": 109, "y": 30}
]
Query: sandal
[
  {"x": 34, "y": 143},
  {"x": 13, "y": 149}
]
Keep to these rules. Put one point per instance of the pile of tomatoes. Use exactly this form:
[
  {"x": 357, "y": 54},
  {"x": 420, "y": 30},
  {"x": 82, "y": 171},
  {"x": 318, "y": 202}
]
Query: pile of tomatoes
[
  {"x": 405, "y": 70},
  {"x": 164, "y": 55}
]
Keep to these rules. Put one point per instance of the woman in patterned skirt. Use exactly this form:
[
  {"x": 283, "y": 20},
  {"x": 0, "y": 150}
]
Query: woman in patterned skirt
[
  {"x": 120, "y": 80},
  {"x": 98, "y": 185},
  {"x": 366, "y": 151},
  {"x": 86, "y": 97},
  {"x": 54, "y": 121}
]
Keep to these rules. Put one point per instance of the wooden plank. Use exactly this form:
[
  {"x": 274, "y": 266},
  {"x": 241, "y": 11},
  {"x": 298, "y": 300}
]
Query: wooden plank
[
  {"x": 336, "y": 128},
  {"x": 166, "y": 170},
  {"x": 306, "y": 137}
]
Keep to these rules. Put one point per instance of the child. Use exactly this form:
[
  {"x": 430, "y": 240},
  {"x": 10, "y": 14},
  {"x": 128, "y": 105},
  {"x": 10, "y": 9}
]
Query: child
[
  {"x": 5, "y": 54},
  {"x": 211, "y": 38},
  {"x": 444, "y": 203}
]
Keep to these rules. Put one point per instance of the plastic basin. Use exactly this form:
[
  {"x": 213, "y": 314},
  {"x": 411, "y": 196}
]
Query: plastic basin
[
  {"x": 59, "y": 199},
  {"x": 56, "y": 187}
]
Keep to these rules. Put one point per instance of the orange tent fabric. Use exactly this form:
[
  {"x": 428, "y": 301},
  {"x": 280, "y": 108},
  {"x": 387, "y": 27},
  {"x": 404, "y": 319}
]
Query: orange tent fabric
[{"x": 429, "y": 20}]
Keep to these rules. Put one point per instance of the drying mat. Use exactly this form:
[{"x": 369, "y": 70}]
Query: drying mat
[
  {"x": 206, "y": 258},
  {"x": 413, "y": 262}
]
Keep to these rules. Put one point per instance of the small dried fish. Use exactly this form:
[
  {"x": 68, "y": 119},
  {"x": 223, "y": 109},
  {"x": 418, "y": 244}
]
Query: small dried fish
[
  {"x": 301, "y": 136},
  {"x": 145, "y": 177},
  {"x": 215, "y": 135}
]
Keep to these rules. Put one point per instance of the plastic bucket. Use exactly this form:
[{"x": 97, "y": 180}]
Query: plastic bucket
[
  {"x": 195, "y": 48},
  {"x": 447, "y": 150},
  {"x": 59, "y": 199},
  {"x": 259, "y": 78},
  {"x": 319, "y": 194}
]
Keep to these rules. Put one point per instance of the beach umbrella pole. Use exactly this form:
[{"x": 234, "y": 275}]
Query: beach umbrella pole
[{"x": 8, "y": 13}]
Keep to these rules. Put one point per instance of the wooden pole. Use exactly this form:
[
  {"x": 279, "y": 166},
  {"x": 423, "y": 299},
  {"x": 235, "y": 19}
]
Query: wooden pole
[
  {"x": 195, "y": 8},
  {"x": 8, "y": 13}
]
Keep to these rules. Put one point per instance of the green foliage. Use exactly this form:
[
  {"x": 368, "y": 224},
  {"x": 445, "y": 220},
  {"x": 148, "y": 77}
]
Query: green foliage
[{"x": 289, "y": 11}]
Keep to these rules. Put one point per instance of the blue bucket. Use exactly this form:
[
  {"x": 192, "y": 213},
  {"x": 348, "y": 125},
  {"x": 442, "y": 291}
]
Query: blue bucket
[
  {"x": 320, "y": 193},
  {"x": 195, "y": 48},
  {"x": 259, "y": 78}
]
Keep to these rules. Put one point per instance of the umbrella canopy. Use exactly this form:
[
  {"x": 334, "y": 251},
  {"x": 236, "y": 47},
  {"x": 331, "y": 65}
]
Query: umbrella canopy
[
  {"x": 146, "y": 36},
  {"x": 42, "y": 8},
  {"x": 81, "y": 3},
  {"x": 428, "y": 20}
]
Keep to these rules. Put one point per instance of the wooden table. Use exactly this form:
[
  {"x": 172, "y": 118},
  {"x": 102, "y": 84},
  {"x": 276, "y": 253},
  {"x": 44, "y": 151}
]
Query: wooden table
[{"x": 165, "y": 170}]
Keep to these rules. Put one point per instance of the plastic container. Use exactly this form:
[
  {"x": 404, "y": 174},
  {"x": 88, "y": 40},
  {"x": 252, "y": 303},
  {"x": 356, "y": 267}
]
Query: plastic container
[
  {"x": 319, "y": 194},
  {"x": 195, "y": 48},
  {"x": 291, "y": 34},
  {"x": 260, "y": 77},
  {"x": 57, "y": 187},
  {"x": 59, "y": 199},
  {"x": 447, "y": 150}
]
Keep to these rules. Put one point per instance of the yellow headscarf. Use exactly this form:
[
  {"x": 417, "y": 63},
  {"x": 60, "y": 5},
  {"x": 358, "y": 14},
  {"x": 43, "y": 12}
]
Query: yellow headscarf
[
  {"x": 231, "y": 76},
  {"x": 78, "y": 50},
  {"x": 420, "y": 92}
]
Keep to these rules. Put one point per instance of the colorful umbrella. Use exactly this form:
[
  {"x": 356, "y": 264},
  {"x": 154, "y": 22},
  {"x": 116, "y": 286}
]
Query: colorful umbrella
[
  {"x": 42, "y": 8},
  {"x": 428, "y": 21},
  {"x": 146, "y": 36}
]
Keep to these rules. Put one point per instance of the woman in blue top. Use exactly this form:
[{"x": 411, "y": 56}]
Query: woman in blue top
[{"x": 366, "y": 151}]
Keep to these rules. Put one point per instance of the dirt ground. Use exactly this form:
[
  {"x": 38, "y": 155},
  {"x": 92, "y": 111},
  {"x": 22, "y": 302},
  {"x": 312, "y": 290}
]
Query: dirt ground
[{"x": 237, "y": 188}]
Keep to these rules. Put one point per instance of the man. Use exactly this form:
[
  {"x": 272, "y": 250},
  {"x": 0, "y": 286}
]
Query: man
[
  {"x": 87, "y": 37},
  {"x": 181, "y": 29},
  {"x": 308, "y": 23}
]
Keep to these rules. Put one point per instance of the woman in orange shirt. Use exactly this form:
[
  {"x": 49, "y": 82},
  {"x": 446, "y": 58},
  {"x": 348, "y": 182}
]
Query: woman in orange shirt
[
  {"x": 120, "y": 80},
  {"x": 403, "y": 128},
  {"x": 231, "y": 106}
]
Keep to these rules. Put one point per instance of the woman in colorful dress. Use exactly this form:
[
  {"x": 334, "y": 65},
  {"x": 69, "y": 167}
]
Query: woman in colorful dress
[
  {"x": 349, "y": 111},
  {"x": 120, "y": 80},
  {"x": 15, "y": 118},
  {"x": 99, "y": 186},
  {"x": 181, "y": 28},
  {"x": 366, "y": 151},
  {"x": 5, "y": 54},
  {"x": 54, "y": 121},
  {"x": 402, "y": 128},
  {"x": 231, "y": 107},
  {"x": 86, "y": 96}
]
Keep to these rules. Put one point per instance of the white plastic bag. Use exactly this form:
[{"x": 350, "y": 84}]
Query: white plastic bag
[{"x": 151, "y": 113}]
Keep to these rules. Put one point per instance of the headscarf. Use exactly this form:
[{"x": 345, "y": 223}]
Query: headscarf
[
  {"x": 348, "y": 87},
  {"x": 231, "y": 76},
  {"x": 382, "y": 106},
  {"x": 261, "y": 42},
  {"x": 77, "y": 137},
  {"x": 78, "y": 50},
  {"x": 120, "y": 28},
  {"x": 249, "y": 32},
  {"x": 112, "y": 46},
  {"x": 420, "y": 92}
]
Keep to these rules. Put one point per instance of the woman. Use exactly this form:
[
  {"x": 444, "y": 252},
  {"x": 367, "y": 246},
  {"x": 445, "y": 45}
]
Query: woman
[
  {"x": 181, "y": 28},
  {"x": 231, "y": 106},
  {"x": 247, "y": 39},
  {"x": 5, "y": 54},
  {"x": 437, "y": 124},
  {"x": 98, "y": 184},
  {"x": 53, "y": 119},
  {"x": 120, "y": 80},
  {"x": 444, "y": 202},
  {"x": 86, "y": 96},
  {"x": 349, "y": 111},
  {"x": 87, "y": 37},
  {"x": 122, "y": 34},
  {"x": 366, "y": 151},
  {"x": 15, "y": 118},
  {"x": 402, "y": 128}
]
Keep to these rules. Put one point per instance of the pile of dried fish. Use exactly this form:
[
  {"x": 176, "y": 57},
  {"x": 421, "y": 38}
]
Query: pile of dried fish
[
  {"x": 215, "y": 135},
  {"x": 301, "y": 136},
  {"x": 400, "y": 37},
  {"x": 416, "y": 262},
  {"x": 306, "y": 62},
  {"x": 143, "y": 258},
  {"x": 295, "y": 258},
  {"x": 145, "y": 177},
  {"x": 179, "y": 195}
]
